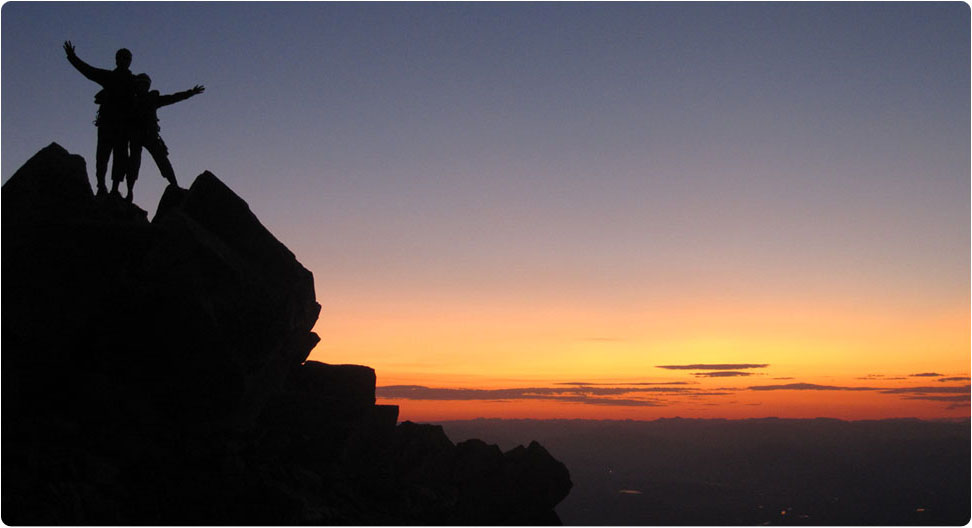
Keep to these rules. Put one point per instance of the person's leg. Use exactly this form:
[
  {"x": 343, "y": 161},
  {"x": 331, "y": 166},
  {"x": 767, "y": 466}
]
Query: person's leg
[
  {"x": 119, "y": 165},
  {"x": 160, "y": 153},
  {"x": 102, "y": 152},
  {"x": 134, "y": 165}
]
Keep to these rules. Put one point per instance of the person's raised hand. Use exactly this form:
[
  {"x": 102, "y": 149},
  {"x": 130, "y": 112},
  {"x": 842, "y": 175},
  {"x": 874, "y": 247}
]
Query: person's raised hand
[
  {"x": 68, "y": 48},
  {"x": 198, "y": 89}
]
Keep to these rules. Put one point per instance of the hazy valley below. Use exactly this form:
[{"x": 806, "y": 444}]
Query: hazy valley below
[{"x": 760, "y": 471}]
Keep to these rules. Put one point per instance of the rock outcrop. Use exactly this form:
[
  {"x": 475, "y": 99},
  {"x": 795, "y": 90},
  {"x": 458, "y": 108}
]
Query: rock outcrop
[{"x": 155, "y": 372}]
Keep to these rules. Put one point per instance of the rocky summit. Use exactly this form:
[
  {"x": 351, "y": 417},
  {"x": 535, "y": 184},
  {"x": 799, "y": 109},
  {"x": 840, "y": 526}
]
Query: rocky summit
[{"x": 155, "y": 372}]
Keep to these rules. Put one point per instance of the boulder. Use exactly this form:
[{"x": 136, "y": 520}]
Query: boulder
[
  {"x": 189, "y": 320},
  {"x": 155, "y": 372}
]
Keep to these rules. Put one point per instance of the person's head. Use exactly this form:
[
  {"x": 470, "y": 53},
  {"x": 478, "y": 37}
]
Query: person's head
[
  {"x": 142, "y": 83},
  {"x": 123, "y": 58}
]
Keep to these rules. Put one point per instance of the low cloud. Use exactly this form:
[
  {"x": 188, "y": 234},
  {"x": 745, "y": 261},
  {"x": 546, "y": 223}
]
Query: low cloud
[
  {"x": 956, "y": 378},
  {"x": 717, "y": 366},
  {"x": 652, "y": 394},
  {"x": 721, "y": 374},
  {"x": 623, "y": 402},
  {"x": 663, "y": 383},
  {"x": 807, "y": 386},
  {"x": 658, "y": 389},
  {"x": 955, "y": 398},
  {"x": 925, "y": 375},
  {"x": 573, "y": 394},
  {"x": 419, "y": 392},
  {"x": 639, "y": 384},
  {"x": 928, "y": 390}
]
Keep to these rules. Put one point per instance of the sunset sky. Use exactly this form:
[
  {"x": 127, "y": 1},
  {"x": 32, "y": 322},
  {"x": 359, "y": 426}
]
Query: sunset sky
[{"x": 573, "y": 210}]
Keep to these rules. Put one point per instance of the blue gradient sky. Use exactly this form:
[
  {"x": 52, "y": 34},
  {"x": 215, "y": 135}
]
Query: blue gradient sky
[{"x": 599, "y": 156}]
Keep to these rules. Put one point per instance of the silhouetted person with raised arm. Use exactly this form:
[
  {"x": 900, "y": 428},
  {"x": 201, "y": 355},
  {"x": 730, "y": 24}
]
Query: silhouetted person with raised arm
[
  {"x": 145, "y": 128},
  {"x": 115, "y": 102}
]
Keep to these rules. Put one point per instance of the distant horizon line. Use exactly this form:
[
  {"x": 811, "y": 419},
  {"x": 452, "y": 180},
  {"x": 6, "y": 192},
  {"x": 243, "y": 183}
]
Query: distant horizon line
[{"x": 687, "y": 419}]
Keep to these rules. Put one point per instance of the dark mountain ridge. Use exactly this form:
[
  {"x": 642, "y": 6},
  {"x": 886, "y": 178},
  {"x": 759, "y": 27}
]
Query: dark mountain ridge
[{"x": 155, "y": 372}]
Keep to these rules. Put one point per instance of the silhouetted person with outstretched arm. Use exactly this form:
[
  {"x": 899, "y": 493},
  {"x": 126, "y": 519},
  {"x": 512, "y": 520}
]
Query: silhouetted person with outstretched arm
[
  {"x": 145, "y": 128},
  {"x": 114, "y": 106}
]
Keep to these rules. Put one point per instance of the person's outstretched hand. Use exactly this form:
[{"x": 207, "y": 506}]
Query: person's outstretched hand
[
  {"x": 68, "y": 48},
  {"x": 198, "y": 89}
]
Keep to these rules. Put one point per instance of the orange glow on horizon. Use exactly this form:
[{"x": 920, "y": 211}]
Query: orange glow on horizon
[{"x": 499, "y": 344}]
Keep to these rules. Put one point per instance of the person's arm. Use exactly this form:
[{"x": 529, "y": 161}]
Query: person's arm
[
  {"x": 180, "y": 96},
  {"x": 95, "y": 74}
]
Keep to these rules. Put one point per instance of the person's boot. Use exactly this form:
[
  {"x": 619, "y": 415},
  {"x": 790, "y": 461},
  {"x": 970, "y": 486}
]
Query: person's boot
[
  {"x": 114, "y": 189},
  {"x": 102, "y": 190}
]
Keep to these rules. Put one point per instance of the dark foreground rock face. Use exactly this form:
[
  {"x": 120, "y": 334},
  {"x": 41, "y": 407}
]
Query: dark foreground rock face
[{"x": 154, "y": 372}]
